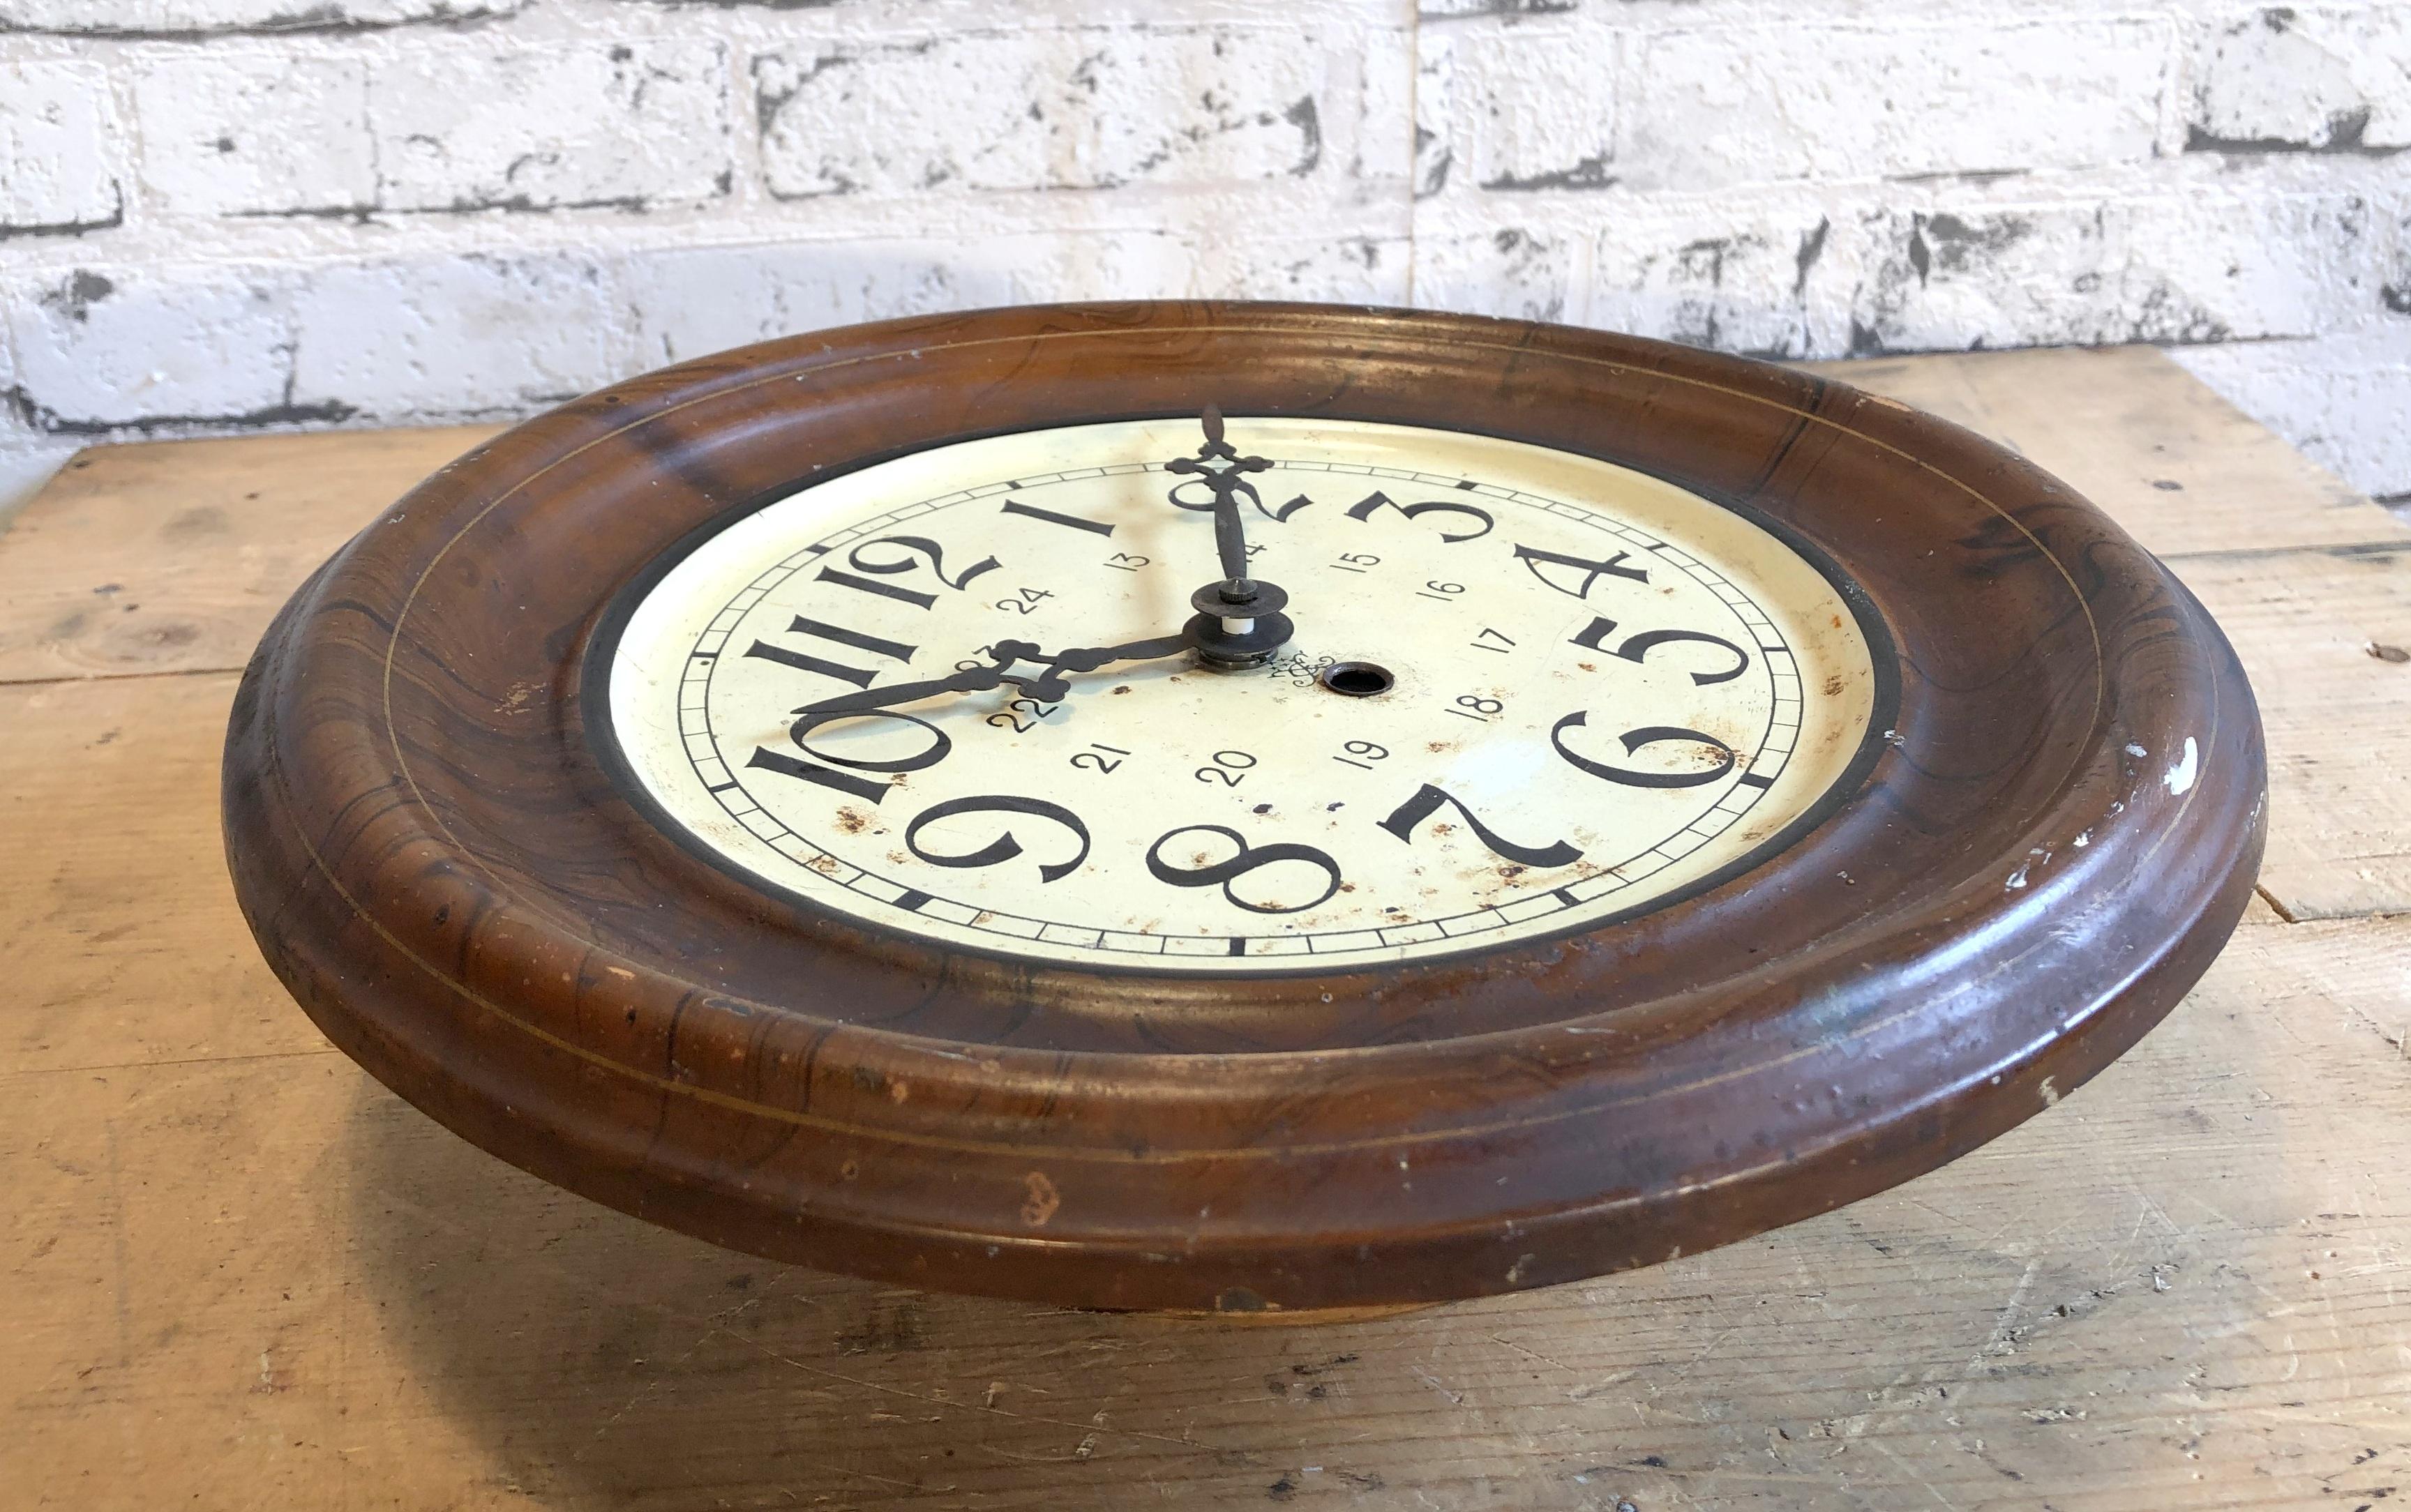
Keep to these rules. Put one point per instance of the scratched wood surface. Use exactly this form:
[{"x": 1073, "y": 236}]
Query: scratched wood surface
[{"x": 239, "y": 1274}]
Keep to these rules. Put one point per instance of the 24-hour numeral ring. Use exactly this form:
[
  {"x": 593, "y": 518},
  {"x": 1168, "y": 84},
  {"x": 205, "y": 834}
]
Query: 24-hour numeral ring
[{"x": 881, "y": 554}]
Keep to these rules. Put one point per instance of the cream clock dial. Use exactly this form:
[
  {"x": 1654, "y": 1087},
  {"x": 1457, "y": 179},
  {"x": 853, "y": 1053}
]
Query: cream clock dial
[{"x": 1522, "y": 693}]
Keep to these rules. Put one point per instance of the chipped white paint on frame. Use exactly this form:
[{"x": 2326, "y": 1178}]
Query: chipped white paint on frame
[{"x": 2179, "y": 778}]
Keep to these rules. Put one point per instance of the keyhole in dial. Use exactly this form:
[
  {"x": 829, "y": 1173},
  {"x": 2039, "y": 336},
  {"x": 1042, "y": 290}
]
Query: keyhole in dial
[{"x": 1356, "y": 679}]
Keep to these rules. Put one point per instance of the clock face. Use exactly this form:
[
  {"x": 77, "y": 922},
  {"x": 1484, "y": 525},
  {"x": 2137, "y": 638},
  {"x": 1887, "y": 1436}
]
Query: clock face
[{"x": 1527, "y": 692}]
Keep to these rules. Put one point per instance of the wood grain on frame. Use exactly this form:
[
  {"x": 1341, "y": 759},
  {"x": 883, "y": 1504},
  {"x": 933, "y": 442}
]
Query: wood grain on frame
[{"x": 2055, "y": 840}]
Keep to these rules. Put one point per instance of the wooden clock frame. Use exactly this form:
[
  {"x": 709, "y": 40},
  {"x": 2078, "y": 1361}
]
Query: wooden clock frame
[{"x": 2052, "y": 834}]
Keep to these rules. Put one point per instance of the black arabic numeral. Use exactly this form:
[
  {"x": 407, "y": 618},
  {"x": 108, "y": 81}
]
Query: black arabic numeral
[
  {"x": 1367, "y": 750},
  {"x": 1011, "y": 716},
  {"x": 808, "y": 721},
  {"x": 1427, "y": 801},
  {"x": 1636, "y": 647},
  {"x": 765, "y": 759},
  {"x": 1376, "y": 502},
  {"x": 1205, "y": 501},
  {"x": 1005, "y": 847},
  {"x": 913, "y": 545},
  {"x": 1230, "y": 768},
  {"x": 1533, "y": 557},
  {"x": 838, "y": 635},
  {"x": 1072, "y": 522},
  {"x": 1648, "y": 736},
  {"x": 1223, "y": 873}
]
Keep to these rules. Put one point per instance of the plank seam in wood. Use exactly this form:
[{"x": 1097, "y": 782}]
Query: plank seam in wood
[
  {"x": 121, "y": 676},
  {"x": 2282, "y": 912},
  {"x": 2350, "y": 548}
]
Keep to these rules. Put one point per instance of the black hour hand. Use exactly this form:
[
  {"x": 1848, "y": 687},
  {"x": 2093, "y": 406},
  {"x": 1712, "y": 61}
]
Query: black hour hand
[
  {"x": 969, "y": 680},
  {"x": 1047, "y": 687}
]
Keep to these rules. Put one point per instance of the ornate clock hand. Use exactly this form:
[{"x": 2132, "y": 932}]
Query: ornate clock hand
[
  {"x": 1089, "y": 658},
  {"x": 1047, "y": 687},
  {"x": 1240, "y": 622},
  {"x": 969, "y": 680},
  {"x": 1228, "y": 484}
]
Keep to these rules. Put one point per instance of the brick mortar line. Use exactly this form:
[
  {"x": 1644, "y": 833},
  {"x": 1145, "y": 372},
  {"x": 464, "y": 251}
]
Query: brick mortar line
[{"x": 1429, "y": 230}]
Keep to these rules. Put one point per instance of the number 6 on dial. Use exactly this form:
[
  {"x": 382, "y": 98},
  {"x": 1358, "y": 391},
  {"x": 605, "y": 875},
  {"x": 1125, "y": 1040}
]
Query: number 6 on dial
[{"x": 1726, "y": 757}]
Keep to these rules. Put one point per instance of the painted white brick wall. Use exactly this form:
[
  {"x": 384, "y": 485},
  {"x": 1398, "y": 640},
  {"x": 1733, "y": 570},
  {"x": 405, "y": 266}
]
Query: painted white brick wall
[
  {"x": 227, "y": 214},
  {"x": 1076, "y": 109},
  {"x": 58, "y": 172},
  {"x": 2329, "y": 80},
  {"x": 1725, "y": 108},
  {"x": 252, "y": 132}
]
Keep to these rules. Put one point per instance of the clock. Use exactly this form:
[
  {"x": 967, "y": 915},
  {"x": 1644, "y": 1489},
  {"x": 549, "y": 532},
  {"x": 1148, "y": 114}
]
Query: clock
[{"x": 1238, "y": 807}]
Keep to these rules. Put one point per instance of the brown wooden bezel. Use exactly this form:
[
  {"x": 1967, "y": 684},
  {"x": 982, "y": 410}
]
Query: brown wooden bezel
[{"x": 2060, "y": 829}]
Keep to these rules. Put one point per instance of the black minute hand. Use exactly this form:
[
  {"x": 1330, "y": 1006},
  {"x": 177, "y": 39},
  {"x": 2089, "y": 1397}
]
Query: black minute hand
[
  {"x": 1239, "y": 621},
  {"x": 1227, "y": 483},
  {"x": 1047, "y": 687}
]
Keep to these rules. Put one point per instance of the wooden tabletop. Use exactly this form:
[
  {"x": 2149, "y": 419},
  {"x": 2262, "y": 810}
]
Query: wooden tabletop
[{"x": 239, "y": 1273}]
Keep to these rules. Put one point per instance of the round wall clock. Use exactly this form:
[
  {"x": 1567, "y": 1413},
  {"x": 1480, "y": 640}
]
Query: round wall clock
[{"x": 1238, "y": 807}]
